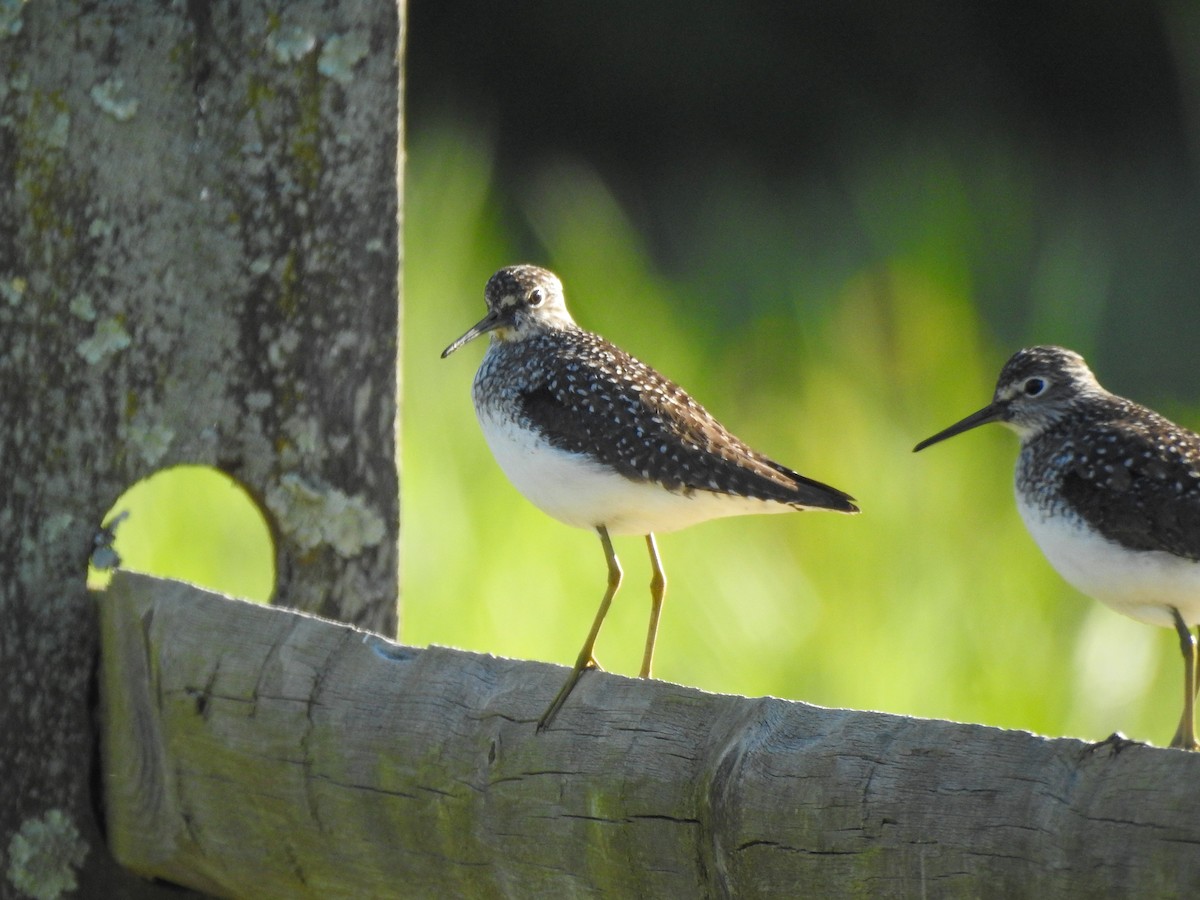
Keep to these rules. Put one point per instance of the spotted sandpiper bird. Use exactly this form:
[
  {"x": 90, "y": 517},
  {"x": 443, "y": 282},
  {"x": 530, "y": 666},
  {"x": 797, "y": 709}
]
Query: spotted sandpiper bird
[
  {"x": 599, "y": 440},
  {"x": 1110, "y": 492}
]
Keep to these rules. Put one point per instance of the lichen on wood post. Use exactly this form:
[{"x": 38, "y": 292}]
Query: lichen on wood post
[{"x": 198, "y": 264}]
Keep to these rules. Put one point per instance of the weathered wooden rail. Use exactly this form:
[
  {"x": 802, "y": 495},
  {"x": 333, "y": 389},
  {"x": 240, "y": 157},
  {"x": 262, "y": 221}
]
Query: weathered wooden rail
[{"x": 259, "y": 752}]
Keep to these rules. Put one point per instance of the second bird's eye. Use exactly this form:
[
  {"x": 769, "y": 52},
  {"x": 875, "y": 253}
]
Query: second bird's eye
[
  {"x": 536, "y": 296},
  {"x": 1034, "y": 386}
]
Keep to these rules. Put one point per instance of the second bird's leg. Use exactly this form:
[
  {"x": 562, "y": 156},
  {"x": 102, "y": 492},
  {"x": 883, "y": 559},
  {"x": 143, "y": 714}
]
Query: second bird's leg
[
  {"x": 585, "y": 660},
  {"x": 658, "y": 587},
  {"x": 1185, "y": 734},
  {"x": 1196, "y": 684}
]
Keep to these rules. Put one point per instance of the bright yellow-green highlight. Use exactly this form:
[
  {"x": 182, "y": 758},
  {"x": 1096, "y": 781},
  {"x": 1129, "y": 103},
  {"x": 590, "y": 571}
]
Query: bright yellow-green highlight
[{"x": 196, "y": 524}]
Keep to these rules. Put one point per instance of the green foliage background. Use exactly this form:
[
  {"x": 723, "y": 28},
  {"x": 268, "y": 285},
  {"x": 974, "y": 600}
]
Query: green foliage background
[{"x": 933, "y": 602}]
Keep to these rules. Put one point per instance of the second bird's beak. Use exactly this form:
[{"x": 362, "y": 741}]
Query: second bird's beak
[
  {"x": 993, "y": 412},
  {"x": 493, "y": 320}
]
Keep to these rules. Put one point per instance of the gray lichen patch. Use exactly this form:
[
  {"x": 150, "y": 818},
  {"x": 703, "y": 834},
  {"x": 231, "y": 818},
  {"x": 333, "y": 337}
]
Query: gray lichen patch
[
  {"x": 81, "y": 307},
  {"x": 109, "y": 95},
  {"x": 290, "y": 43},
  {"x": 10, "y": 18},
  {"x": 13, "y": 289},
  {"x": 313, "y": 517},
  {"x": 341, "y": 54},
  {"x": 150, "y": 439},
  {"x": 109, "y": 338},
  {"x": 44, "y": 854}
]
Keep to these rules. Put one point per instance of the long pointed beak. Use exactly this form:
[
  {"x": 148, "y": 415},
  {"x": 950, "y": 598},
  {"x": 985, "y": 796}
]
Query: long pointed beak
[
  {"x": 490, "y": 322},
  {"x": 993, "y": 412}
]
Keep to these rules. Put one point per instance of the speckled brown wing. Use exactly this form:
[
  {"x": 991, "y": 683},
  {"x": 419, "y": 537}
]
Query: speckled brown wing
[
  {"x": 603, "y": 402},
  {"x": 1138, "y": 483}
]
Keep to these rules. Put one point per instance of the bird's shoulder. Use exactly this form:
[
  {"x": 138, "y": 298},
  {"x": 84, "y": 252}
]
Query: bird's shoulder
[
  {"x": 591, "y": 387},
  {"x": 1135, "y": 477}
]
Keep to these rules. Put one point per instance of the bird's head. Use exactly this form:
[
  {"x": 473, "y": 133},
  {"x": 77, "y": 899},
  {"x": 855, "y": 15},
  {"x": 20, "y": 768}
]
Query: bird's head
[
  {"x": 1037, "y": 387},
  {"x": 521, "y": 301}
]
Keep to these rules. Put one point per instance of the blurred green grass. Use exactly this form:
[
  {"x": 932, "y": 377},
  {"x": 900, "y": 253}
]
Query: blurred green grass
[{"x": 934, "y": 602}]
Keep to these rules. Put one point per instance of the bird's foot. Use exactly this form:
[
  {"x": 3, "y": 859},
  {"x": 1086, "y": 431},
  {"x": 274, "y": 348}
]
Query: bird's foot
[{"x": 1116, "y": 742}]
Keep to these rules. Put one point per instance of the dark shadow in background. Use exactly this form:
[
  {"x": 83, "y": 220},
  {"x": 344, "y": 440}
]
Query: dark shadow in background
[{"x": 1071, "y": 123}]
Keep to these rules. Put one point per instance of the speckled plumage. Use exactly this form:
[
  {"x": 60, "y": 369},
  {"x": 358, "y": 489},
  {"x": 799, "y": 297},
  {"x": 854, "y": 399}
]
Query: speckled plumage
[{"x": 1109, "y": 490}]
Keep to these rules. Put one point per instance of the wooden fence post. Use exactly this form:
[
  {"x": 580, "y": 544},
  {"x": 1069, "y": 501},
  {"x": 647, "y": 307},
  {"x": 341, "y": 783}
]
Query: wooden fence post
[{"x": 199, "y": 263}]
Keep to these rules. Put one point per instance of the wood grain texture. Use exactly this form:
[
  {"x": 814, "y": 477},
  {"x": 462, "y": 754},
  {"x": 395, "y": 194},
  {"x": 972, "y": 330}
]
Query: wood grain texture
[{"x": 256, "y": 752}]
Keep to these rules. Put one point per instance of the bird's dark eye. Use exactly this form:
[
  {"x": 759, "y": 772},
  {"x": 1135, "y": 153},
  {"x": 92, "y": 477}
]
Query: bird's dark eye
[
  {"x": 1034, "y": 386},
  {"x": 536, "y": 297}
]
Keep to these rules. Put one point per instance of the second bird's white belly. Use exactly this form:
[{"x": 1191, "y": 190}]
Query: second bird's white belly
[
  {"x": 579, "y": 491},
  {"x": 1142, "y": 584}
]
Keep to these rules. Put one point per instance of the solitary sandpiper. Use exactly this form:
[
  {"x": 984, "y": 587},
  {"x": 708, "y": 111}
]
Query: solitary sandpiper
[
  {"x": 599, "y": 440},
  {"x": 1110, "y": 492}
]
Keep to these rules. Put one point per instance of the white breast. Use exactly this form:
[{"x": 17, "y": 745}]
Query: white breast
[{"x": 1142, "y": 584}]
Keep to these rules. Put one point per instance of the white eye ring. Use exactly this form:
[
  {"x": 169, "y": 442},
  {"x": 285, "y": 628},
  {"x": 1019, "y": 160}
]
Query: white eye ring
[
  {"x": 536, "y": 297},
  {"x": 1034, "y": 386}
]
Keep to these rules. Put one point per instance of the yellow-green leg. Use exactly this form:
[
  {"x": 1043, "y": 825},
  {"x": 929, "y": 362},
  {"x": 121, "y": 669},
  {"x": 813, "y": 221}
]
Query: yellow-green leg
[
  {"x": 585, "y": 660},
  {"x": 1185, "y": 734},
  {"x": 658, "y": 587}
]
